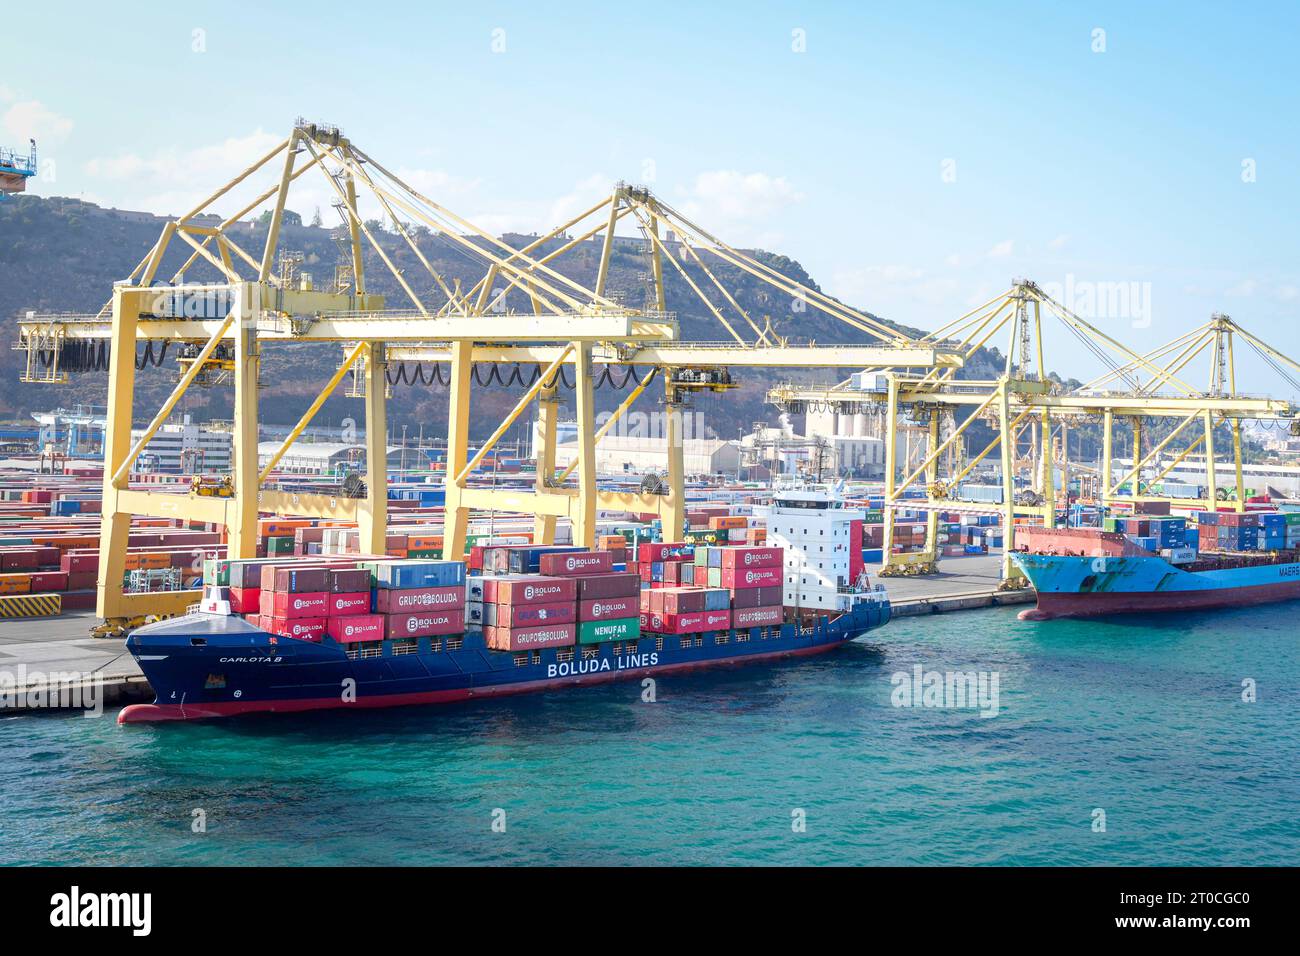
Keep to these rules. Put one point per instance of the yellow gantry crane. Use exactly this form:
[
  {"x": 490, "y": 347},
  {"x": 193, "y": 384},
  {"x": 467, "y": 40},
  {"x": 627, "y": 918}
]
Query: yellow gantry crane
[
  {"x": 223, "y": 327},
  {"x": 1025, "y": 399}
]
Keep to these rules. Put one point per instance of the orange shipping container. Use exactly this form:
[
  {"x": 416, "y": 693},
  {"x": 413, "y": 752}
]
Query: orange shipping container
[
  {"x": 726, "y": 522},
  {"x": 15, "y": 583}
]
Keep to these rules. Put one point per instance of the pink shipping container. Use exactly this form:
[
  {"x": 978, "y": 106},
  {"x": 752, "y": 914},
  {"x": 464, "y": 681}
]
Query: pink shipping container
[
  {"x": 349, "y": 605},
  {"x": 607, "y": 609},
  {"x": 576, "y": 562},
  {"x": 754, "y": 557},
  {"x": 751, "y": 577},
  {"x": 284, "y": 605},
  {"x": 756, "y": 616},
  {"x": 424, "y": 624},
  {"x": 303, "y": 628},
  {"x": 693, "y": 623},
  {"x": 392, "y": 601},
  {"x": 531, "y": 638},
  {"x": 529, "y": 589},
  {"x": 357, "y": 627}
]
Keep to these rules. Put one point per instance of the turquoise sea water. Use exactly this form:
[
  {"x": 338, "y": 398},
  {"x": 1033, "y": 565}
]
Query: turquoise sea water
[{"x": 1143, "y": 719}]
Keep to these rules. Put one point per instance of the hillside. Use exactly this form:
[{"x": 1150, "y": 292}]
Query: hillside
[{"x": 59, "y": 255}]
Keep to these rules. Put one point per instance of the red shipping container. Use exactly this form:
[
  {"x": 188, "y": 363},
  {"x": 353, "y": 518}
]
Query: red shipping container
[
  {"x": 424, "y": 624},
  {"x": 576, "y": 562},
  {"x": 355, "y": 627},
  {"x": 606, "y": 609},
  {"x": 529, "y": 589},
  {"x": 49, "y": 581},
  {"x": 535, "y": 615},
  {"x": 79, "y": 581},
  {"x": 349, "y": 580},
  {"x": 78, "y": 600},
  {"x": 348, "y": 605},
  {"x": 756, "y": 597},
  {"x": 693, "y": 623},
  {"x": 295, "y": 580},
  {"x": 285, "y": 605},
  {"x": 752, "y": 557},
  {"x": 23, "y": 559},
  {"x": 79, "y": 562},
  {"x": 530, "y": 638},
  {"x": 617, "y": 584},
  {"x": 756, "y": 616},
  {"x": 665, "y": 551},
  {"x": 678, "y": 601},
  {"x": 303, "y": 628},
  {"x": 856, "y": 564},
  {"x": 750, "y": 577},
  {"x": 405, "y": 601},
  {"x": 245, "y": 600}
]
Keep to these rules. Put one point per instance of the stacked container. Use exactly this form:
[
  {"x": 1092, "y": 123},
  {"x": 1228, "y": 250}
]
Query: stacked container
[{"x": 419, "y": 597}]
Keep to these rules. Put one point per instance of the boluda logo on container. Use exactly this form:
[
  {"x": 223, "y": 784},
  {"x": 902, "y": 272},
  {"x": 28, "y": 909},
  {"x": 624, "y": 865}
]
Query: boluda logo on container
[{"x": 417, "y": 599}]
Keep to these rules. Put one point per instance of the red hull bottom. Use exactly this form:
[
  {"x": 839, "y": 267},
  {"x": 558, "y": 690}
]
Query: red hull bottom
[
  {"x": 1147, "y": 602},
  {"x": 148, "y": 713}
]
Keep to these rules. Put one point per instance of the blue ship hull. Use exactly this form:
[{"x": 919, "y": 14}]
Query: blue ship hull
[
  {"x": 208, "y": 665},
  {"x": 1082, "y": 586}
]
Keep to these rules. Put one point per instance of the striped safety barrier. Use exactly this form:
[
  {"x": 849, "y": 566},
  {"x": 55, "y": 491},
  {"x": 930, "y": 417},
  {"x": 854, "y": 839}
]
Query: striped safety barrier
[{"x": 30, "y": 605}]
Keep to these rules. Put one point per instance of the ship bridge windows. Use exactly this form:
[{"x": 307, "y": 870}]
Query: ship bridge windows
[{"x": 564, "y": 655}]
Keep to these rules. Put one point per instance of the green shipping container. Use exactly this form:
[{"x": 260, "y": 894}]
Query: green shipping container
[
  {"x": 1110, "y": 524},
  {"x": 216, "y": 572},
  {"x": 1292, "y": 517},
  {"x": 618, "y": 629},
  {"x": 715, "y": 577},
  {"x": 435, "y": 553},
  {"x": 279, "y": 545}
]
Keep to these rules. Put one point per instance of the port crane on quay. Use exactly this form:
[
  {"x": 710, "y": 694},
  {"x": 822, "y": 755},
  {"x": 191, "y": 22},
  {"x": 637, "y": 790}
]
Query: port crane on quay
[
  {"x": 563, "y": 325},
  {"x": 1024, "y": 398}
]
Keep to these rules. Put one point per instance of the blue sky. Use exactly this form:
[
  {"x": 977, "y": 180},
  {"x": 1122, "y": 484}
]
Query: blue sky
[{"x": 1063, "y": 164}]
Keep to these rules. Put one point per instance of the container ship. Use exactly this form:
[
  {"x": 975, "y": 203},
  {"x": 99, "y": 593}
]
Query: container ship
[
  {"x": 1222, "y": 560},
  {"x": 289, "y": 634}
]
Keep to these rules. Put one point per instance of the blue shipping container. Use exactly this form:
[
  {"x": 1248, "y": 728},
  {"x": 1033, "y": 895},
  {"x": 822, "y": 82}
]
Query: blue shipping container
[{"x": 420, "y": 574}]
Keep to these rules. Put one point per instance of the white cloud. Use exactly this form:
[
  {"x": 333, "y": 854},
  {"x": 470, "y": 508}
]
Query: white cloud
[
  {"x": 7, "y": 94},
  {"x": 172, "y": 180},
  {"x": 1242, "y": 289},
  {"x": 1002, "y": 250},
  {"x": 1288, "y": 293},
  {"x": 739, "y": 195},
  {"x": 1059, "y": 242},
  {"x": 31, "y": 119}
]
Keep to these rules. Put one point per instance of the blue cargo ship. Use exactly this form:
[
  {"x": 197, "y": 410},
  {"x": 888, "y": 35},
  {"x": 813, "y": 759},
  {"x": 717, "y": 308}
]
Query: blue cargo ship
[
  {"x": 1083, "y": 573},
  {"x": 211, "y": 663}
]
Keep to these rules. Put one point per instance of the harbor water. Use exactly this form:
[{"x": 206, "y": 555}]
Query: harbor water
[{"x": 1126, "y": 741}]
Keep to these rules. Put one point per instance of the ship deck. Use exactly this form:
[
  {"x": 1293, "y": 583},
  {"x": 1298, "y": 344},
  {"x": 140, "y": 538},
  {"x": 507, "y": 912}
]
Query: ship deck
[{"x": 64, "y": 644}]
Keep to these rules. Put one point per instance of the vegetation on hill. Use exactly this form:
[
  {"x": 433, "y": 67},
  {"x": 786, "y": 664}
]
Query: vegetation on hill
[{"x": 59, "y": 255}]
